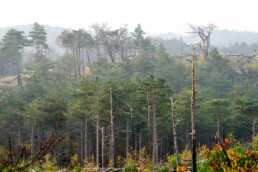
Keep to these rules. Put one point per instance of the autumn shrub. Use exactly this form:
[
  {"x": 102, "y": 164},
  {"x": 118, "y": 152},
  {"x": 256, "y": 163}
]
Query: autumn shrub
[
  {"x": 49, "y": 163},
  {"x": 89, "y": 162},
  {"x": 164, "y": 169},
  {"x": 74, "y": 164},
  {"x": 130, "y": 168},
  {"x": 172, "y": 161},
  {"x": 186, "y": 157},
  {"x": 237, "y": 159},
  {"x": 120, "y": 162},
  {"x": 144, "y": 160}
]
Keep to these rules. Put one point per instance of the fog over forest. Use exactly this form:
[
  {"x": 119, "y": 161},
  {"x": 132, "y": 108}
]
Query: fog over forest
[{"x": 120, "y": 98}]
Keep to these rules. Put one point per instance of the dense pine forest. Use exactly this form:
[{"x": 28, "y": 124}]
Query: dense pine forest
[{"x": 121, "y": 100}]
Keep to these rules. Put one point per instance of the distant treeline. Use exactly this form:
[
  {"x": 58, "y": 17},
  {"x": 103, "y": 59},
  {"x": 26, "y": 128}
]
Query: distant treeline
[{"x": 113, "y": 89}]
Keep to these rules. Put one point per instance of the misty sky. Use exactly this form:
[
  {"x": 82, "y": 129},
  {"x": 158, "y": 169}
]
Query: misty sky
[{"x": 156, "y": 16}]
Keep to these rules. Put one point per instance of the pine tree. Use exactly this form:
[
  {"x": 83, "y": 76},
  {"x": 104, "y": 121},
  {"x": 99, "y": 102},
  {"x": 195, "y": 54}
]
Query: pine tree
[
  {"x": 38, "y": 37},
  {"x": 12, "y": 47}
]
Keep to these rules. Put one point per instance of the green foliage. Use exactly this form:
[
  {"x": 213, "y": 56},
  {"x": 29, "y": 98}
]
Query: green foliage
[
  {"x": 172, "y": 161},
  {"x": 164, "y": 169},
  {"x": 49, "y": 163},
  {"x": 130, "y": 168},
  {"x": 53, "y": 89}
]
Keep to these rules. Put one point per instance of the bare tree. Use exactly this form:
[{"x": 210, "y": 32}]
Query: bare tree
[
  {"x": 127, "y": 138},
  {"x": 122, "y": 35},
  {"x": 193, "y": 116},
  {"x": 112, "y": 140},
  {"x": 204, "y": 32},
  {"x": 149, "y": 108},
  {"x": 102, "y": 148},
  {"x": 174, "y": 130},
  {"x": 105, "y": 35},
  {"x": 155, "y": 137},
  {"x": 97, "y": 142},
  {"x": 86, "y": 137}
]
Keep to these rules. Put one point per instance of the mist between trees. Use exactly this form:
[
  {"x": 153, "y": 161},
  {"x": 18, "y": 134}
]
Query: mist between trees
[{"x": 114, "y": 88}]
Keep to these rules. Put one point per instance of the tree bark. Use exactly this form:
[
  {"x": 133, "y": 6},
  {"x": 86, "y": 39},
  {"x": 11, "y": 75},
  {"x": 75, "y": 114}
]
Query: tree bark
[
  {"x": 174, "y": 131},
  {"x": 218, "y": 133},
  {"x": 102, "y": 148},
  {"x": 222, "y": 130},
  {"x": 86, "y": 137},
  {"x": 155, "y": 138},
  {"x": 253, "y": 127},
  {"x": 112, "y": 146},
  {"x": 132, "y": 128},
  {"x": 127, "y": 139},
  {"x": 32, "y": 144},
  {"x": 97, "y": 142},
  {"x": 194, "y": 168},
  {"x": 110, "y": 52},
  {"x": 81, "y": 144},
  {"x": 149, "y": 134}
]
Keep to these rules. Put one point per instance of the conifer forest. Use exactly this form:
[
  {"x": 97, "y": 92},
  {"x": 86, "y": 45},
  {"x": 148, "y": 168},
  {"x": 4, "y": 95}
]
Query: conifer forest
[{"x": 114, "y": 99}]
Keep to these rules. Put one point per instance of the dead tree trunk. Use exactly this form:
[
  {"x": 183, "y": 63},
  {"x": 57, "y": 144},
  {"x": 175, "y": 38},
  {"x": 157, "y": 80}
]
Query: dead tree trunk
[
  {"x": 110, "y": 52},
  {"x": 112, "y": 146},
  {"x": 155, "y": 138},
  {"x": 132, "y": 128},
  {"x": 193, "y": 116},
  {"x": 102, "y": 148},
  {"x": 222, "y": 130},
  {"x": 127, "y": 138},
  {"x": 218, "y": 133},
  {"x": 97, "y": 142},
  {"x": 174, "y": 131},
  {"x": 149, "y": 134},
  {"x": 81, "y": 145},
  {"x": 86, "y": 137},
  {"x": 32, "y": 142},
  {"x": 253, "y": 126}
]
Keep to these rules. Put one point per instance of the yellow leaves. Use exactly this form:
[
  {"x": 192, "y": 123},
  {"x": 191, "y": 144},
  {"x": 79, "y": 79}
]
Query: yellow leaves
[
  {"x": 203, "y": 151},
  {"x": 74, "y": 161},
  {"x": 87, "y": 70},
  {"x": 89, "y": 162},
  {"x": 186, "y": 155}
]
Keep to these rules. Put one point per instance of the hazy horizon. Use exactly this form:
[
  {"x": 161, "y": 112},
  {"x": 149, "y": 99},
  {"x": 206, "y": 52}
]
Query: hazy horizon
[{"x": 155, "y": 17}]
